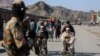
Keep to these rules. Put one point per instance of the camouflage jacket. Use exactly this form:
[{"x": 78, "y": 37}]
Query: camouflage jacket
[{"x": 13, "y": 33}]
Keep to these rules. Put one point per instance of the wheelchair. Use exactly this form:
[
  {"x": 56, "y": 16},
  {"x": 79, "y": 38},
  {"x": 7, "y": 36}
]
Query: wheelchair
[{"x": 68, "y": 46}]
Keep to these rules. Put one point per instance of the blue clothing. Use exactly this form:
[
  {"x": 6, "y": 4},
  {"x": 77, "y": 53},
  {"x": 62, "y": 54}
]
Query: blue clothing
[
  {"x": 37, "y": 26},
  {"x": 31, "y": 25}
]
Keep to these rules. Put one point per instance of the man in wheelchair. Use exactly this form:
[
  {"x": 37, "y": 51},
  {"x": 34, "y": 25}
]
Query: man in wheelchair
[{"x": 67, "y": 40}]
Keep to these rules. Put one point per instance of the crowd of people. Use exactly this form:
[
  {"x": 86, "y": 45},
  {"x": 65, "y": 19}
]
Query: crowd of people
[{"x": 20, "y": 35}]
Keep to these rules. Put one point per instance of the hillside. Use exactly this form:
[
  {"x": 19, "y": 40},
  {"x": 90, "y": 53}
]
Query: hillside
[
  {"x": 42, "y": 9},
  {"x": 6, "y": 4}
]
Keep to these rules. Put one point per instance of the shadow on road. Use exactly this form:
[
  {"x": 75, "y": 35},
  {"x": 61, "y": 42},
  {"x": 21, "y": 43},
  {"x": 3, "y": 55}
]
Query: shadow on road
[
  {"x": 86, "y": 54},
  {"x": 2, "y": 51},
  {"x": 52, "y": 53},
  {"x": 58, "y": 53},
  {"x": 55, "y": 41}
]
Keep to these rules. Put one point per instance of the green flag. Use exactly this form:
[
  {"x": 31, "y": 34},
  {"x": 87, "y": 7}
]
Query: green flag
[{"x": 98, "y": 16}]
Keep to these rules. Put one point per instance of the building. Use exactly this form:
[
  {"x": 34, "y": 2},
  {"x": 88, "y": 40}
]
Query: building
[{"x": 6, "y": 14}]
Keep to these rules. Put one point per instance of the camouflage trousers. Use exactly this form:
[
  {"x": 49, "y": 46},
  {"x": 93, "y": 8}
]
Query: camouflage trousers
[
  {"x": 41, "y": 43},
  {"x": 12, "y": 50}
]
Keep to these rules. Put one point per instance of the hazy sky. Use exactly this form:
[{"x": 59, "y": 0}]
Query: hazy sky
[{"x": 82, "y": 5}]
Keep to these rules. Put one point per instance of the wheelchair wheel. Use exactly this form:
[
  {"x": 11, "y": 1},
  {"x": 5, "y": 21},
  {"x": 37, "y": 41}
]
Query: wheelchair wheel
[
  {"x": 67, "y": 53},
  {"x": 43, "y": 51},
  {"x": 73, "y": 52}
]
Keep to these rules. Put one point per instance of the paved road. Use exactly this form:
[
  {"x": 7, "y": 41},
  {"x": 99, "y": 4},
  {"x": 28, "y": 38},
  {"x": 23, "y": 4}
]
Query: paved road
[
  {"x": 86, "y": 44},
  {"x": 86, "y": 41}
]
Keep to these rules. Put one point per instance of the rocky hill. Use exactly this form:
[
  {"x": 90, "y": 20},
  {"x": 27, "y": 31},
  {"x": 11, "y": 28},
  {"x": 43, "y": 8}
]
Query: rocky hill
[
  {"x": 6, "y": 4},
  {"x": 42, "y": 9}
]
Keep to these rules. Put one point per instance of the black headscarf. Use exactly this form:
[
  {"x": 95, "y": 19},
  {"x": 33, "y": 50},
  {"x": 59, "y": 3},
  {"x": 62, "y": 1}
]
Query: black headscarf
[{"x": 19, "y": 10}]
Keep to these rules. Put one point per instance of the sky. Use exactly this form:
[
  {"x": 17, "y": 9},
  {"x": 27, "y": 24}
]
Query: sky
[{"x": 80, "y": 5}]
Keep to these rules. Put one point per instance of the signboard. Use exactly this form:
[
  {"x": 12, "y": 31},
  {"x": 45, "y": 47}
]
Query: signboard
[
  {"x": 94, "y": 17},
  {"x": 98, "y": 16}
]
